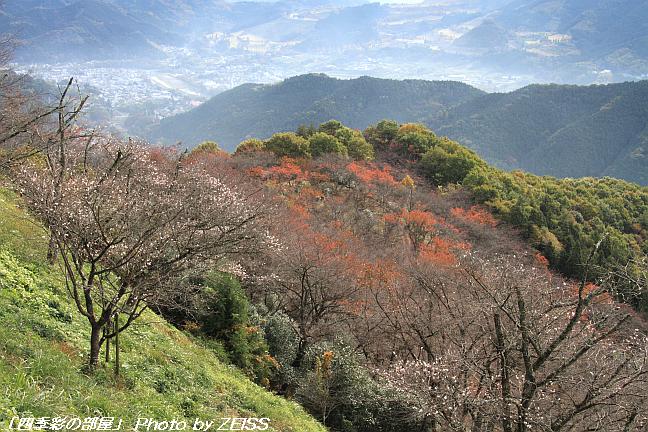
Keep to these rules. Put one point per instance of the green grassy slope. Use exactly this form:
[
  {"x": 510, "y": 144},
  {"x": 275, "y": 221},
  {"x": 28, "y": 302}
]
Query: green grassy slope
[{"x": 43, "y": 347}]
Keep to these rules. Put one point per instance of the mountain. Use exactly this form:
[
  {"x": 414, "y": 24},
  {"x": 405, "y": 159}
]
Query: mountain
[
  {"x": 64, "y": 30},
  {"x": 564, "y": 131},
  {"x": 497, "y": 45},
  {"x": 604, "y": 31},
  {"x": 75, "y": 30},
  {"x": 598, "y": 26},
  {"x": 253, "y": 110},
  {"x": 486, "y": 36}
]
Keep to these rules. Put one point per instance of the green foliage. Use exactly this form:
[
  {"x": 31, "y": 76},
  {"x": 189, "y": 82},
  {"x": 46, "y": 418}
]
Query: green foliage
[
  {"x": 339, "y": 391},
  {"x": 357, "y": 146},
  {"x": 330, "y": 127},
  {"x": 227, "y": 317},
  {"x": 448, "y": 162},
  {"x": 566, "y": 218},
  {"x": 415, "y": 139},
  {"x": 250, "y": 145},
  {"x": 207, "y": 147},
  {"x": 306, "y": 131},
  {"x": 558, "y": 130},
  {"x": 382, "y": 134},
  {"x": 332, "y": 383},
  {"x": 283, "y": 344},
  {"x": 165, "y": 372},
  {"x": 252, "y": 109},
  {"x": 288, "y": 144},
  {"x": 323, "y": 143}
]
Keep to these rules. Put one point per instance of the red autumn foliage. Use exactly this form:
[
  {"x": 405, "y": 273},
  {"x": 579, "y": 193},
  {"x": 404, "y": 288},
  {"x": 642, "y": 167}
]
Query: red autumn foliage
[
  {"x": 476, "y": 215},
  {"x": 419, "y": 224},
  {"x": 370, "y": 174},
  {"x": 287, "y": 170},
  {"x": 542, "y": 260},
  {"x": 257, "y": 171},
  {"x": 381, "y": 275},
  {"x": 440, "y": 251},
  {"x": 299, "y": 211},
  {"x": 310, "y": 194}
]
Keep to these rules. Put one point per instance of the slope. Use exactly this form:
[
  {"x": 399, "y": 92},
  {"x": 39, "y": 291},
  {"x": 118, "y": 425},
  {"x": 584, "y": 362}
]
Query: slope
[
  {"x": 564, "y": 131},
  {"x": 166, "y": 374}
]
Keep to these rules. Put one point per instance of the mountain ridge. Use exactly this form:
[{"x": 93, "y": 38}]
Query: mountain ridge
[{"x": 547, "y": 129}]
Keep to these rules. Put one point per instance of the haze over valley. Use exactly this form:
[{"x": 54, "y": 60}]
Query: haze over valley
[{"x": 146, "y": 60}]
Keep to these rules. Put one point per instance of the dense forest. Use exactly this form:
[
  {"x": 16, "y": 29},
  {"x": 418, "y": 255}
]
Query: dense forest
[{"x": 558, "y": 130}]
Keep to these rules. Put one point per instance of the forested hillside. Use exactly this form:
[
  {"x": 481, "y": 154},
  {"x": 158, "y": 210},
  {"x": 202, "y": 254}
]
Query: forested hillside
[
  {"x": 607, "y": 30},
  {"x": 384, "y": 280},
  {"x": 394, "y": 259},
  {"x": 261, "y": 110},
  {"x": 381, "y": 279},
  {"x": 564, "y": 131}
]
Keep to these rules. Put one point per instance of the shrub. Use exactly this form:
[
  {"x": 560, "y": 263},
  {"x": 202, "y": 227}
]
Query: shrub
[
  {"x": 382, "y": 134},
  {"x": 357, "y": 147},
  {"x": 288, "y": 144},
  {"x": 283, "y": 346},
  {"x": 448, "y": 162},
  {"x": 330, "y": 127},
  {"x": 339, "y": 391},
  {"x": 250, "y": 146},
  {"x": 322, "y": 143},
  {"x": 207, "y": 147},
  {"x": 227, "y": 318}
]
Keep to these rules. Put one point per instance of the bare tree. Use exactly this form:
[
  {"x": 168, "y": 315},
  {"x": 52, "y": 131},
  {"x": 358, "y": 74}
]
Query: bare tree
[
  {"x": 27, "y": 125},
  {"x": 515, "y": 349},
  {"x": 312, "y": 277},
  {"x": 131, "y": 224}
]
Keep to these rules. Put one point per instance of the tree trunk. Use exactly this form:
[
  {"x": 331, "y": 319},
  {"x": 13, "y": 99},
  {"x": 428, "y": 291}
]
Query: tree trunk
[
  {"x": 52, "y": 251},
  {"x": 95, "y": 347},
  {"x": 117, "y": 365},
  {"x": 106, "y": 331}
]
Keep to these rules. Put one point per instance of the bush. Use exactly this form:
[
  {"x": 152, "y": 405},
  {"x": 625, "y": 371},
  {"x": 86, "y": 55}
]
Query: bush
[
  {"x": 448, "y": 162},
  {"x": 322, "y": 143},
  {"x": 340, "y": 392},
  {"x": 382, "y": 134},
  {"x": 330, "y": 127},
  {"x": 288, "y": 144},
  {"x": 227, "y": 318},
  {"x": 207, "y": 147},
  {"x": 250, "y": 146},
  {"x": 415, "y": 139},
  {"x": 283, "y": 346},
  {"x": 357, "y": 147}
]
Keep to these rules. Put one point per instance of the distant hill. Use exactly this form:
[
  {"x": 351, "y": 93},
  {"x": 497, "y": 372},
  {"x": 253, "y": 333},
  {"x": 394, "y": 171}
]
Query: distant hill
[
  {"x": 76, "y": 30},
  {"x": 61, "y": 30},
  {"x": 253, "y": 110},
  {"x": 486, "y": 36},
  {"x": 599, "y": 28},
  {"x": 564, "y": 131}
]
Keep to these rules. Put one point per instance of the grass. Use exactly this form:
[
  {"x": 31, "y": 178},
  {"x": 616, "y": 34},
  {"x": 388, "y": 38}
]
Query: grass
[{"x": 166, "y": 375}]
